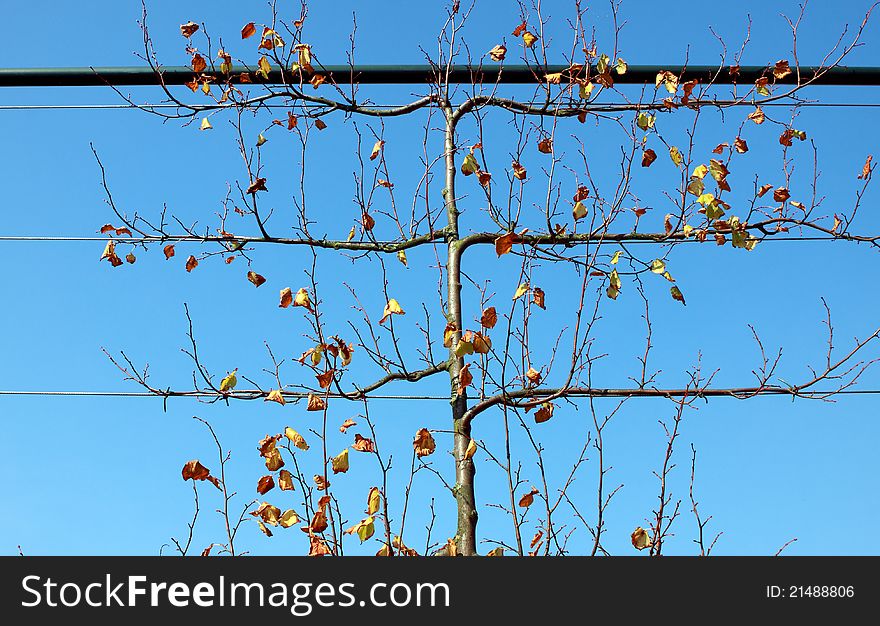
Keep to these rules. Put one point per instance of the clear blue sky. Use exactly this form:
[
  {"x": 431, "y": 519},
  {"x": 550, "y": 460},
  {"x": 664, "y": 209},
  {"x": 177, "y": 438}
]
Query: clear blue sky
[{"x": 102, "y": 476}]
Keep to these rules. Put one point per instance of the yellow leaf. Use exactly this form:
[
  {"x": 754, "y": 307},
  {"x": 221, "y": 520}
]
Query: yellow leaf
[
  {"x": 373, "y": 500},
  {"x": 261, "y": 139},
  {"x": 658, "y": 266},
  {"x": 579, "y": 211},
  {"x": 205, "y": 125},
  {"x": 675, "y": 155},
  {"x": 700, "y": 171},
  {"x": 377, "y": 148},
  {"x": 288, "y": 519},
  {"x": 296, "y": 438},
  {"x": 228, "y": 383},
  {"x": 339, "y": 462},
  {"x": 471, "y": 449},
  {"x": 521, "y": 291},
  {"x": 529, "y": 39},
  {"x": 275, "y": 396},
  {"x": 401, "y": 256},
  {"x": 302, "y": 299},
  {"x": 469, "y": 165},
  {"x": 615, "y": 258},
  {"x": 640, "y": 539},
  {"x": 392, "y": 308},
  {"x": 264, "y": 68},
  {"x": 350, "y": 234}
]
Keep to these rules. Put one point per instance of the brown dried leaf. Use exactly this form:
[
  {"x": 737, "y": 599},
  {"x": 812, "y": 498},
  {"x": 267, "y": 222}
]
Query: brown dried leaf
[
  {"x": 424, "y": 443},
  {"x": 248, "y": 30},
  {"x": 189, "y": 29},
  {"x": 286, "y": 298},
  {"x": 489, "y": 318},
  {"x": 191, "y": 263},
  {"x": 362, "y": 444},
  {"x": 255, "y": 278},
  {"x": 265, "y": 484},
  {"x": 527, "y": 499}
]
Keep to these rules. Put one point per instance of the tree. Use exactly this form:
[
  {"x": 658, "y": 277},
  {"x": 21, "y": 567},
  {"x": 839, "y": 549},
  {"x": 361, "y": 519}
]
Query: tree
[{"x": 519, "y": 196}]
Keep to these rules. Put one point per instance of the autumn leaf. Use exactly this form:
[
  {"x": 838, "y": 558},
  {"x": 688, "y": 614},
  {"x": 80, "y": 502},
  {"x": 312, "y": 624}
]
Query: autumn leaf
[
  {"x": 519, "y": 172},
  {"x": 285, "y": 480},
  {"x": 761, "y": 86},
  {"x": 497, "y": 53},
  {"x": 248, "y": 30},
  {"x": 377, "y": 148},
  {"x": 286, "y": 298},
  {"x": 613, "y": 289},
  {"x": 373, "y": 500},
  {"x": 168, "y": 251},
  {"x": 198, "y": 63},
  {"x": 205, "y": 125},
  {"x": 648, "y": 157},
  {"x": 320, "y": 124},
  {"x": 757, "y": 116},
  {"x": 781, "y": 70},
  {"x": 534, "y": 376},
  {"x": 645, "y": 121},
  {"x": 255, "y": 278},
  {"x": 264, "y": 68},
  {"x": 424, "y": 443},
  {"x": 189, "y": 29},
  {"x": 482, "y": 344},
  {"x": 529, "y": 39},
  {"x": 367, "y": 221},
  {"x": 781, "y": 194},
  {"x": 764, "y": 189},
  {"x": 866, "y": 169},
  {"x": 274, "y": 462},
  {"x": 658, "y": 266},
  {"x": 740, "y": 145},
  {"x": 504, "y": 243},
  {"x": 489, "y": 318},
  {"x": 495, "y": 552},
  {"x": 538, "y": 297},
  {"x": 544, "y": 413},
  {"x": 401, "y": 256},
  {"x": 296, "y": 438},
  {"x": 640, "y": 539},
  {"x": 471, "y": 450},
  {"x": 362, "y": 444},
  {"x": 229, "y": 382},
  {"x": 392, "y": 308},
  {"x": 194, "y": 470},
  {"x": 676, "y": 294},
  {"x": 676, "y": 156},
  {"x": 579, "y": 211},
  {"x": 257, "y": 185},
  {"x": 545, "y": 145},
  {"x": 275, "y": 396},
  {"x": 527, "y": 499},
  {"x": 302, "y": 299},
  {"x": 346, "y": 425},
  {"x": 326, "y": 378},
  {"x": 191, "y": 263},
  {"x": 520, "y": 291},
  {"x": 364, "y": 529},
  {"x": 316, "y": 403},
  {"x": 130, "y": 258},
  {"x": 339, "y": 463},
  {"x": 469, "y": 165},
  {"x": 465, "y": 378},
  {"x": 265, "y": 484},
  {"x": 288, "y": 519}
]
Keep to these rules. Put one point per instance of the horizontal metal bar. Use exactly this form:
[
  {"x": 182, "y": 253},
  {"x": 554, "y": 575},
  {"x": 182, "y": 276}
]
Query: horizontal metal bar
[{"x": 415, "y": 74}]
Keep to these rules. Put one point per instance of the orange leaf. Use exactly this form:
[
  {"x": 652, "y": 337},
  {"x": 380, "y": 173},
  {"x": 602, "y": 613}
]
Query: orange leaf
[
  {"x": 527, "y": 499},
  {"x": 191, "y": 263},
  {"x": 504, "y": 243},
  {"x": 169, "y": 251},
  {"x": 255, "y": 278},
  {"x": 265, "y": 484},
  {"x": 316, "y": 403},
  {"x": 286, "y": 298},
  {"x": 189, "y": 29},
  {"x": 424, "y": 443},
  {"x": 545, "y": 145},
  {"x": 248, "y": 30},
  {"x": 489, "y": 318}
]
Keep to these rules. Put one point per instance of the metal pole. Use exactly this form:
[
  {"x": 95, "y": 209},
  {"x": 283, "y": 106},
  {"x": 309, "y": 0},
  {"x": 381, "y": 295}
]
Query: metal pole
[{"x": 413, "y": 74}]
